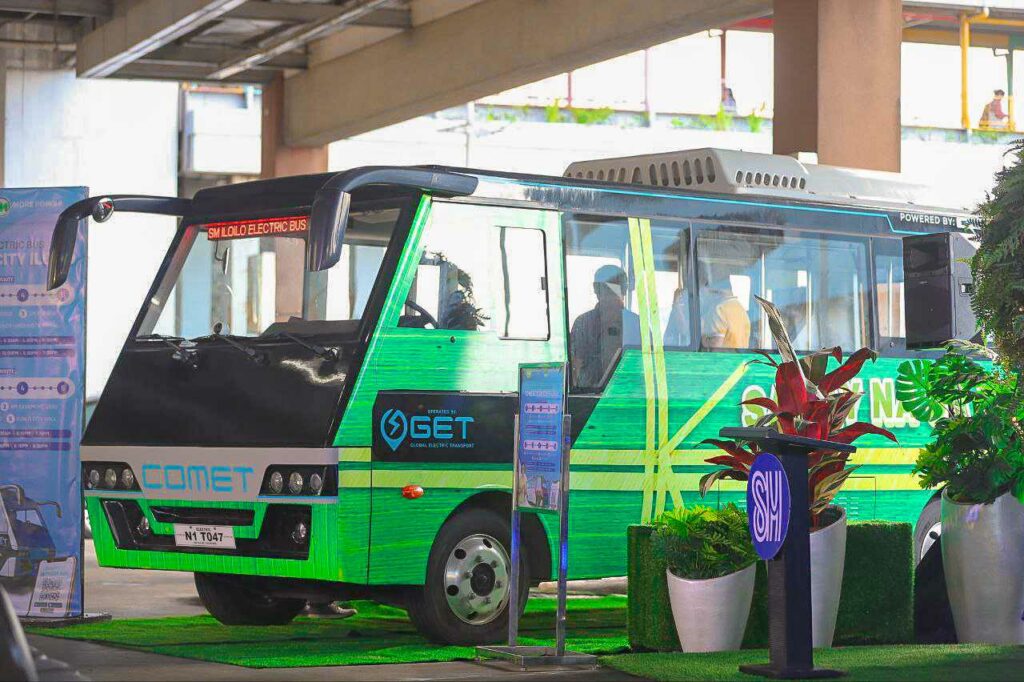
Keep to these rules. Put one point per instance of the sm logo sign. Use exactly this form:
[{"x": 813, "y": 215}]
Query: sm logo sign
[
  {"x": 437, "y": 428},
  {"x": 768, "y": 505}
]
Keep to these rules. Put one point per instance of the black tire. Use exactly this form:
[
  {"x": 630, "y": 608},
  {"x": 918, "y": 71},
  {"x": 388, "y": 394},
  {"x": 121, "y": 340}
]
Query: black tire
[
  {"x": 429, "y": 607},
  {"x": 930, "y": 518},
  {"x": 233, "y": 603}
]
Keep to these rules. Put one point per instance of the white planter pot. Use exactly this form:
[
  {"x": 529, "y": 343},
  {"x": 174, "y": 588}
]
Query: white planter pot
[
  {"x": 711, "y": 615},
  {"x": 983, "y": 558},
  {"x": 828, "y": 555}
]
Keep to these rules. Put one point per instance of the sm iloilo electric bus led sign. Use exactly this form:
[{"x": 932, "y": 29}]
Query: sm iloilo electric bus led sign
[{"x": 265, "y": 227}]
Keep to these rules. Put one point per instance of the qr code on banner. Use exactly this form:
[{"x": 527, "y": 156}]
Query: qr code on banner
[{"x": 54, "y": 587}]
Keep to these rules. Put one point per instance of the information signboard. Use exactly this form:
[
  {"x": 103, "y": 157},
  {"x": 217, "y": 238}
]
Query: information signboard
[
  {"x": 41, "y": 407},
  {"x": 539, "y": 451}
]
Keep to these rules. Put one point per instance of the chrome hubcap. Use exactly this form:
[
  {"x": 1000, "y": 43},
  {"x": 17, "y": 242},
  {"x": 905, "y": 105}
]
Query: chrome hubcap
[
  {"x": 476, "y": 579},
  {"x": 929, "y": 540}
]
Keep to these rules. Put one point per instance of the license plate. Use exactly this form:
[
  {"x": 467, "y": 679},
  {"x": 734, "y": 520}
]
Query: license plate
[{"x": 219, "y": 537}]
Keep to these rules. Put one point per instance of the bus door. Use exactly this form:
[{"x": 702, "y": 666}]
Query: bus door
[{"x": 476, "y": 293}]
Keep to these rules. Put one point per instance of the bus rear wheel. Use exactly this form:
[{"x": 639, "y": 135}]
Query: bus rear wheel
[
  {"x": 466, "y": 596},
  {"x": 233, "y": 603}
]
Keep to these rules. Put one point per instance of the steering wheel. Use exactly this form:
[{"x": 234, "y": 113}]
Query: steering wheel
[{"x": 428, "y": 318}]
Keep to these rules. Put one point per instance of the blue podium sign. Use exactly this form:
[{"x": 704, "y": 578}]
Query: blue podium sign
[
  {"x": 768, "y": 505},
  {"x": 42, "y": 390},
  {"x": 539, "y": 450}
]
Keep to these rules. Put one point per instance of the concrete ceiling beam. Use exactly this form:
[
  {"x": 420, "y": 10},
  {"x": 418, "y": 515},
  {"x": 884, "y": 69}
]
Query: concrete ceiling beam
[
  {"x": 209, "y": 56},
  {"x": 345, "y": 14},
  {"x": 263, "y": 10},
  {"x": 186, "y": 73},
  {"x": 486, "y": 48},
  {"x": 65, "y": 8},
  {"x": 145, "y": 27}
]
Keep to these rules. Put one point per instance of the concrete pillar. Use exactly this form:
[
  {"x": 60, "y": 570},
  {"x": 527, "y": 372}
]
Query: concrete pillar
[
  {"x": 279, "y": 159},
  {"x": 837, "y": 81}
]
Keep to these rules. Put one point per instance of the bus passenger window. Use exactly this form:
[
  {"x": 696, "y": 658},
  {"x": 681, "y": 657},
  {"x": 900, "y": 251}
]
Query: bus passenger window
[
  {"x": 478, "y": 274},
  {"x": 724, "y": 264},
  {"x": 892, "y": 325},
  {"x": 671, "y": 246},
  {"x": 601, "y": 300},
  {"x": 818, "y": 282}
]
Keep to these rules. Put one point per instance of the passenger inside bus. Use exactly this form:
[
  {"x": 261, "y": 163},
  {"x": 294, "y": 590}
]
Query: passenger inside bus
[
  {"x": 598, "y": 335},
  {"x": 724, "y": 322}
]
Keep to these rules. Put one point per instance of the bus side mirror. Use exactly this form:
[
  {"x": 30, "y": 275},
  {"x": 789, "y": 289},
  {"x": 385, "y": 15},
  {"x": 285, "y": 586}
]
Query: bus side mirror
[
  {"x": 327, "y": 222},
  {"x": 62, "y": 244}
]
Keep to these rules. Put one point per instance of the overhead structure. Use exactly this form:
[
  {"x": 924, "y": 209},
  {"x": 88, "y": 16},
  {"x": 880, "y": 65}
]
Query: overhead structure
[
  {"x": 997, "y": 25},
  {"x": 337, "y": 68}
]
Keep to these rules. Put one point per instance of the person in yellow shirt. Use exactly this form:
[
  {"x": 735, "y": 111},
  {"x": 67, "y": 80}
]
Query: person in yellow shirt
[{"x": 724, "y": 322}]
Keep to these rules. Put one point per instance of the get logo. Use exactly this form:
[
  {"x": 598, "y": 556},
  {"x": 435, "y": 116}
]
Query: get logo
[{"x": 396, "y": 427}]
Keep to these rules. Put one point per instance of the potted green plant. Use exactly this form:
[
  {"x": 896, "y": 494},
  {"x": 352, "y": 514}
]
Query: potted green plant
[
  {"x": 977, "y": 460},
  {"x": 813, "y": 402},
  {"x": 710, "y": 574}
]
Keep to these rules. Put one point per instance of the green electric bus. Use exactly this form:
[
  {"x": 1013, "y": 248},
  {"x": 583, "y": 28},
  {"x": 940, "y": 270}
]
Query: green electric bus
[{"x": 317, "y": 398}]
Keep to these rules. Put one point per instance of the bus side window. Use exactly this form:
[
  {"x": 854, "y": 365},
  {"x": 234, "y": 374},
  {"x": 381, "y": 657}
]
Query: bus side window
[
  {"x": 600, "y": 296},
  {"x": 892, "y": 325},
  {"x": 671, "y": 246},
  {"x": 476, "y": 273},
  {"x": 818, "y": 281}
]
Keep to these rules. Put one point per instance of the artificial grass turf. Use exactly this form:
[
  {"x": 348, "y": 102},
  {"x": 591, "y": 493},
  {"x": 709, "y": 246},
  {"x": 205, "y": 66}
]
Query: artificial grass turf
[
  {"x": 928, "y": 663},
  {"x": 377, "y": 634}
]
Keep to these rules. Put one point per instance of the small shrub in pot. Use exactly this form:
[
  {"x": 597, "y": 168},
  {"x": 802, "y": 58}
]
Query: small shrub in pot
[{"x": 710, "y": 574}]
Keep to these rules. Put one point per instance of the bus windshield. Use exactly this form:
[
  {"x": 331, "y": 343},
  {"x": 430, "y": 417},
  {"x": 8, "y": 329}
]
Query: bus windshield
[{"x": 249, "y": 276}]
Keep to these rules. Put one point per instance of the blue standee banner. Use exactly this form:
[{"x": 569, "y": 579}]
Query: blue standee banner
[
  {"x": 539, "y": 450},
  {"x": 42, "y": 388}
]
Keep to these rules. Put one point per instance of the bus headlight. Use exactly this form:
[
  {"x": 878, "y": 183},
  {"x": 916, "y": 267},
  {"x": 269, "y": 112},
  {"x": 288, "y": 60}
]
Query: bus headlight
[
  {"x": 100, "y": 476},
  {"x": 299, "y": 479}
]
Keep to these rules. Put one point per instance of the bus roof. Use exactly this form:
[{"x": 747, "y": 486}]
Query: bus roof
[
  {"x": 261, "y": 195},
  {"x": 728, "y": 171}
]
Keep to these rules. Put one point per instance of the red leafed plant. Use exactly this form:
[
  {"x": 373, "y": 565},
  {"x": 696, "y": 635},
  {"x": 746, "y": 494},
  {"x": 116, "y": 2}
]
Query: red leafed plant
[{"x": 811, "y": 402}]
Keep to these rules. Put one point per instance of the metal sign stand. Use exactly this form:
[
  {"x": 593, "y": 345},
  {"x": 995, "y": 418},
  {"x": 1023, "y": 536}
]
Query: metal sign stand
[{"x": 535, "y": 656}]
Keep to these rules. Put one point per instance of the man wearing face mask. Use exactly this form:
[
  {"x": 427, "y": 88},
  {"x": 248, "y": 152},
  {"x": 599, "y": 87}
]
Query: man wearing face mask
[{"x": 598, "y": 335}]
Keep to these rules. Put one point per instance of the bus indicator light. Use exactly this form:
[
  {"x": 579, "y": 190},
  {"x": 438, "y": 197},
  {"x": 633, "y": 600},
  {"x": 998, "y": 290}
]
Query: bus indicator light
[{"x": 412, "y": 492}]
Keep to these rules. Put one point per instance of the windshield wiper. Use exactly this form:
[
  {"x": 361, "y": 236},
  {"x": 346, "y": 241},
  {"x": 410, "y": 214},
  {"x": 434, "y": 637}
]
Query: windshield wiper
[
  {"x": 329, "y": 354},
  {"x": 250, "y": 352},
  {"x": 184, "y": 355}
]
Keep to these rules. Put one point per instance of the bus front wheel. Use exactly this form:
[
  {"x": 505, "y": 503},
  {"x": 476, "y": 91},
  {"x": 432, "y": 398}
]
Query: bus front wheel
[
  {"x": 466, "y": 596},
  {"x": 232, "y": 603}
]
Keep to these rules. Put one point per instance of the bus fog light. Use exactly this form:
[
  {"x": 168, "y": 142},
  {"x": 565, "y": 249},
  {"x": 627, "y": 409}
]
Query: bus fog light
[
  {"x": 128, "y": 478},
  {"x": 110, "y": 478},
  {"x": 276, "y": 482},
  {"x": 300, "y": 533},
  {"x": 94, "y": 478},
  {"x": 316, "y": 483},
  {"x": 143, "y": 527},
  {"x": 295, "y": 483}
]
